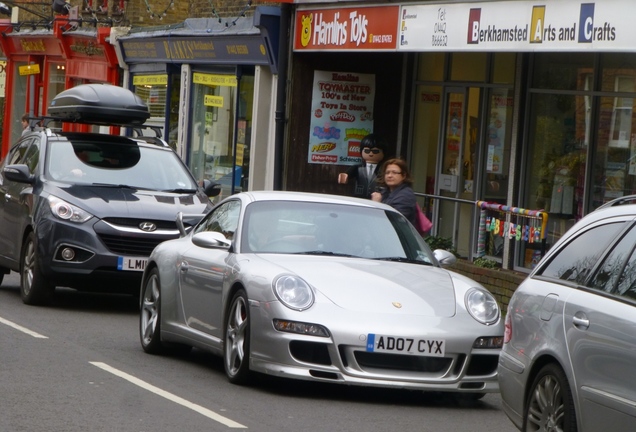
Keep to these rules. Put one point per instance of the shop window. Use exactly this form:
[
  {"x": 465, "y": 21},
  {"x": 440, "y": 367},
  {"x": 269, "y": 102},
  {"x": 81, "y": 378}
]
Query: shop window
[
  {"x": 561, "y": 70},
  {"x": 56, "y": 85},
  {"x": 211, "y": 154},
  {"x": 614, "y": 169},
  {"x": 431, "y": 66},
  {"x": 497, "y": 155},
  {"x": 152, "y": 89},
  {"x": 172, "y": 136},
  {"x": 556, "y": 165},
  {"x": 504, "y": 68},
  {"x": 616, "y": 67},
  {"x": 587, "y": 105},
  {"x": 57, "y": 82},
  {"x": 621, "y": 125},
  {"x": 19, "y": 97},
  {"x": 475, "y": 73},
  {"x": 428, "y": 103}
]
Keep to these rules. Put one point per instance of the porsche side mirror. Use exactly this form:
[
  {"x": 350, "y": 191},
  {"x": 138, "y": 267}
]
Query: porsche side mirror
[{"x": 444, "y": 257}]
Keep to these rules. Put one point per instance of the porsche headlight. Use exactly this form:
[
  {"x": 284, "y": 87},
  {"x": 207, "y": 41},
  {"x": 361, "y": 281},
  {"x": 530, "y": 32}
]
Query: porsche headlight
[
  {"x": 66, "y": 211},
  {"x": 482, "y": 306},
  {"x": 293, "y": 292}
]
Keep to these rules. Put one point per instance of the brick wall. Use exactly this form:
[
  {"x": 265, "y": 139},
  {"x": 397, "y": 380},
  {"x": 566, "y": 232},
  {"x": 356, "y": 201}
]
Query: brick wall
[
  {"x": 146, "y": 13},
  {"x": 142, "y": 13},
  {"x": 501, "y": 283}
]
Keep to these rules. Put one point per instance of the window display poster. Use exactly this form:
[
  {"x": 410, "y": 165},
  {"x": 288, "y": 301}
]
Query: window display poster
[
  {"x": 499, "y": 104},
  {"x": 341, "y": 115},
  {"x": 454, "y": 132}
]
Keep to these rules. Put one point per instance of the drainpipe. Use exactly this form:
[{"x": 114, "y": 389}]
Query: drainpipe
[{"x": 281, "y": 95}]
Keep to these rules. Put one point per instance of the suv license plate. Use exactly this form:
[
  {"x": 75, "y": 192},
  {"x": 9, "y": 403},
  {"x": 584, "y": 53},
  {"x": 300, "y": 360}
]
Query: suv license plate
[
  {"x": 131, "y": 263},
  {"x": 405, "y": 345}
]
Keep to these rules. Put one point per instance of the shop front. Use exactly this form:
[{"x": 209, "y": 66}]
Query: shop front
[
  {"x": 552, "y": 127},
  {"x": 203, "y": 82},
  {"x": 526, "y": 108},
  {"x": 42, "y": 62}
]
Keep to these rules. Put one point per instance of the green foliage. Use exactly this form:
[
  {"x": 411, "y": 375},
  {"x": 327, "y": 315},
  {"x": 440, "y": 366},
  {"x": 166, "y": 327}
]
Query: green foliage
[
  {"x": 486, "y": 263},
  {"x": 441, "y": 243}
]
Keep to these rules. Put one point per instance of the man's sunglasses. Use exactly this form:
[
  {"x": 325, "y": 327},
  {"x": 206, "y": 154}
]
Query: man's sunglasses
[{"x": 374, "y": 150}]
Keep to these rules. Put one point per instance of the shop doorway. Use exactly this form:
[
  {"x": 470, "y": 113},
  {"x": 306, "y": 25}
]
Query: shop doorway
[
  {"x": 221, "y": 129},
  {"x": 461, "y": 143},
  {"x": 473, "y": 165},
  {"x": 457, "y": 166}
]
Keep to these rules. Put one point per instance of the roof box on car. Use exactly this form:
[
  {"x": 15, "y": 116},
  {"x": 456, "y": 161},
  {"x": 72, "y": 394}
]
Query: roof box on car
[{"x": 99, "y": 104}]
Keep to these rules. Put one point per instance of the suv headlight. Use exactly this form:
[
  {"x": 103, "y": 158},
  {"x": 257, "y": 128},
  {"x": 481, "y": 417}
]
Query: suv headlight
[
  {"x": 482, "y": 306},
  {"x": 293, "y": 292},
  {"x": 66, "y": 211}
]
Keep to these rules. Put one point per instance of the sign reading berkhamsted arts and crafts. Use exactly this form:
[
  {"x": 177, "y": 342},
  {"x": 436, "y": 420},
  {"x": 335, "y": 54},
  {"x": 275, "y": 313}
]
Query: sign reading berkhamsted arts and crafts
[
  {"x": 519, "y": 26},
  {"x": 564, "y": 25},
  {"x": 341, "y": 115}
]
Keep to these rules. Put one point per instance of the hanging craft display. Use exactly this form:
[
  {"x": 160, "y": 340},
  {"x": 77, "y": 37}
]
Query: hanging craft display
[{"x": 514, "y": 223}]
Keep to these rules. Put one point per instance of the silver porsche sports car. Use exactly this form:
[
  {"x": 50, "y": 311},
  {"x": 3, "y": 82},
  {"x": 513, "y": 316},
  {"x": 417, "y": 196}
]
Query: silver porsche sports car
[{"x": 323, "y": 288}]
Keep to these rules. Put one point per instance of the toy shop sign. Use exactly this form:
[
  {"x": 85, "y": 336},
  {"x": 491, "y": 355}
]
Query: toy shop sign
[
  {"x": 341, "y": 115},
  {"x": 355, "y": 28}
]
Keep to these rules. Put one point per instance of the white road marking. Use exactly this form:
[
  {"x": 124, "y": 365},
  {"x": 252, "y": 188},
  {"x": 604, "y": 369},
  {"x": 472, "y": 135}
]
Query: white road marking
[
  {"x": 176, "y": 399},
  {"x": 22, "y": 329}
]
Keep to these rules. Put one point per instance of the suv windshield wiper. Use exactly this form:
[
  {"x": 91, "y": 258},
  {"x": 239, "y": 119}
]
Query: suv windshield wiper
[
  {"x": 402, "y": 259},
  {"x": 180, "y": 190},
  {"x": 118, "y": 186}
]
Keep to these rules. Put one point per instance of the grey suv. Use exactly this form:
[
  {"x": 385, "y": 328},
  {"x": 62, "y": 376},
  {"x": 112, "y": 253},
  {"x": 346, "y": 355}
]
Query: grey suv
[
  {"x": 569, "y": 357},
  {"x": 84, "y": 210}
]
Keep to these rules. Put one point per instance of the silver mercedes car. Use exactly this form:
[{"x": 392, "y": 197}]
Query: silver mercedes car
[
  {"x": 323, "y": 288},
  {"x": 569, "y": 357}
]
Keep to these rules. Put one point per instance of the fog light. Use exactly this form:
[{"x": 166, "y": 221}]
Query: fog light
[
  {"x": 488, "y": 342},
  {"x": 300, "y": 328},
  {"x": 68, "y": 254}
]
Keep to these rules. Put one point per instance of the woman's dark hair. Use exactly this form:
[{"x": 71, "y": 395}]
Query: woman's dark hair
[
  {"x": 371, "y": 141},
  {"x": 403, "y": 167}
]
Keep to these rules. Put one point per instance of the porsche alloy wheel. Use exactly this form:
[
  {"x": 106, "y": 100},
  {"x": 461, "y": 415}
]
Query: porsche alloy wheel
[
  {"x": 237, "y": 339},
  {"x": 550, "y": 405},
  {"x": 34, "y": 288},
  {"x": 149, "y": 319}
]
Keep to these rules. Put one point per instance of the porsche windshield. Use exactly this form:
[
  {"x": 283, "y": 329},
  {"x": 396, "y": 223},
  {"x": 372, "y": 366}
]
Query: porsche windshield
[{"x": 331, "y": 229}]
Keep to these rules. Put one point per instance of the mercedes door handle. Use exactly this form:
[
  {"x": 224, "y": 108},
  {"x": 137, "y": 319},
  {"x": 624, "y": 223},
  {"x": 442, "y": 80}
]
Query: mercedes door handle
[{"x": 580, "y": 321}]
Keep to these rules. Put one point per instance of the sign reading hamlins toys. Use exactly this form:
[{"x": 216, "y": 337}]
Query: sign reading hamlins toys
[
  {"x": 341, "y": 115},
  {"x": 356, "y": 28}
]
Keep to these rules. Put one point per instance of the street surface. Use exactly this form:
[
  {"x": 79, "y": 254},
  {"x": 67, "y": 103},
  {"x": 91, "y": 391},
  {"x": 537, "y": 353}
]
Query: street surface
[{"x": 78, "y": 366}]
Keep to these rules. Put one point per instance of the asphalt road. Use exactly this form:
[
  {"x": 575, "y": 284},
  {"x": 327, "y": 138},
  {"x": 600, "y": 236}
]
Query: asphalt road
[{"x": 78, "y": 366}]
